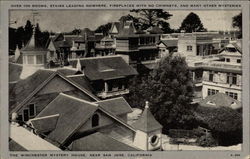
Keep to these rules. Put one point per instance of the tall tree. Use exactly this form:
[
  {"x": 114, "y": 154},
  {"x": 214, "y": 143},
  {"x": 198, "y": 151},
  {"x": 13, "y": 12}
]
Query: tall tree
[
  {"x": 169, "y": 89},
  {"x": 41, "y": 38},
  {"x": 192, "y": 23},
  {"x": 237, "y": 23},
  {"x": 28, "y": 30},
  {"x": 104, "y": 29},
  {"x": 153, "y": 17}
]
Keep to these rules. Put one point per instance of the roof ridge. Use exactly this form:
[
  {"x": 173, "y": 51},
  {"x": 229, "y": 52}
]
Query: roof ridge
[
  {"x": 109, "y": 99},
  {"x": 44, "y": 117},
  {"x": 78, "y": 99}
]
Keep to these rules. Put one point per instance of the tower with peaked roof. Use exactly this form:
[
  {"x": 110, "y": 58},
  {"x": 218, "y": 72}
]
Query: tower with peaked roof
[
  {"x": 34, "y": 57},
  {"x": 148, "y": 134}
]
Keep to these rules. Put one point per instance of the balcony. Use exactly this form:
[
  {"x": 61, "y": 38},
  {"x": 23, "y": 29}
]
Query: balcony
[{"x": 112, "y": 93}]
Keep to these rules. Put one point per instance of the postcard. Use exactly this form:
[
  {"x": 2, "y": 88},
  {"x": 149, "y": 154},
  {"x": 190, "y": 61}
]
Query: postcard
[{"x": 125, "y": 79}]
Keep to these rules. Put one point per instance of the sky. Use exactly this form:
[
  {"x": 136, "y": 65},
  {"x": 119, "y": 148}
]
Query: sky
[{"x": 67, "y": 20}]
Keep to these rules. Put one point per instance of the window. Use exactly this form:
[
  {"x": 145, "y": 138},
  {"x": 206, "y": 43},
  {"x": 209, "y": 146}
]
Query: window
[
  {"x": 231, "y": 78},
  {"x": 211, "y": 76},
  {"x": 30, "y": 59},
  {"x": 95, "y": 120},
  {"x": 227, "y": 60},
  {"x": 39, "y": 59},
  {"x": 238, "y": 60},
  {"x": 233, "y": 95},
  {"x": 189, "y": 48},
  {"x": 212, "y": 92},
  {"x": 32, "y": 110},
  {"x": 154, "y": 140},
  {"x": 26, "y": 115}
]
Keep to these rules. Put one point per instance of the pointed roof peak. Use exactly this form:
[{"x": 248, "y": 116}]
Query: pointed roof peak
[{"x": 147, "y": 122}]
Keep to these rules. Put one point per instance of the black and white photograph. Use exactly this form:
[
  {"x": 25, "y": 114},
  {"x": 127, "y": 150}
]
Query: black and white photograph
[{"x": 125, "y": 80}]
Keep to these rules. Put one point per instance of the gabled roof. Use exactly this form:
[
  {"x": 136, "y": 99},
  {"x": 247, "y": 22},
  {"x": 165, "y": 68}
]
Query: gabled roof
[
  {"x": 73, "y": 112},
  {"x": 15, "y": 71},
  {"x": 23, "y": 88},
  {"x": 14, "y": 146},
  {"x": 115, "y": 25},
  {"x": 116, "y": 106},
  {"x": 169, "y": 43},
  {"x": 99, "y": 142},
  {"x": 147, "y": 122},
  {"x": 221, "y": 100},
  {"x": 41, "y": 124},
  {"x": 103, "y": 68},
  {"x": 82, "y": 81},
  {"x": 26, "y": 88}
]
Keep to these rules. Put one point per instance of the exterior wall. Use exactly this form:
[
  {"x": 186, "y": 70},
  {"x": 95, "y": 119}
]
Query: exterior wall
[
  {"x": 183, "y": 42},
  {"x": 141, "y": 140},
  {"x": 40, "y": 102},
  {"x": 104, "y": 120},
  {"x": 220, "y": 84},
  {"x": 57, "y": 84},
  {"x": 220, "y": 88}
]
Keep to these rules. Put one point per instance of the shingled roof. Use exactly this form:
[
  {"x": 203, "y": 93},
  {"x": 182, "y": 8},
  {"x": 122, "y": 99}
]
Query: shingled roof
[
  {"x": 15, "y": 71},
  {"x": 116, "y": 106},
  {"x": 147, "y": 122},
  {"x": 99, "y": 142},
  {"x": 108, "y": 67},
  {"x": 23, "y": 89},
  {"x": 73, "y": 112},
  {"x": 221, "y": 100}
]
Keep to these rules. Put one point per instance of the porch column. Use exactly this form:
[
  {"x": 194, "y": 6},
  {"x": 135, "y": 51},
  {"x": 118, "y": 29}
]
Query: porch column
[
  {"x": 105, "y": 87},
  {"x": 193, "y": 76}
]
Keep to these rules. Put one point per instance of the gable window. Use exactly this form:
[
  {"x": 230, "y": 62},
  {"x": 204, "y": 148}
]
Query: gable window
[
  {"x": 231, "y": 78},
  {"x": 95, "y": 120},
  {"x": 238, "y": 60},
  {"x": 189, "y": 48},
  {"x": 233, "y": 95}
]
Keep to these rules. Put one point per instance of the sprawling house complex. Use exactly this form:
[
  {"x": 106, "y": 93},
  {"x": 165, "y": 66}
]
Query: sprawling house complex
[{"x": 70, "y": 94}]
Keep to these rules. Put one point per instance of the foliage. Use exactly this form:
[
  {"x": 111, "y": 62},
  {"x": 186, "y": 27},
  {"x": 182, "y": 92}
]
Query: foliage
[
  {"x": 153, "y": 17},
  {"x": 207, "y": 141},
  {"x": 224, "y": 123},
  {"x": 104, "y": 29},
  {"x": 192, "y": 23},
  {"x": 41, "y": 38},
  {"x": 169, "y": 89},
  {"x": 237, "y": 23}
]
